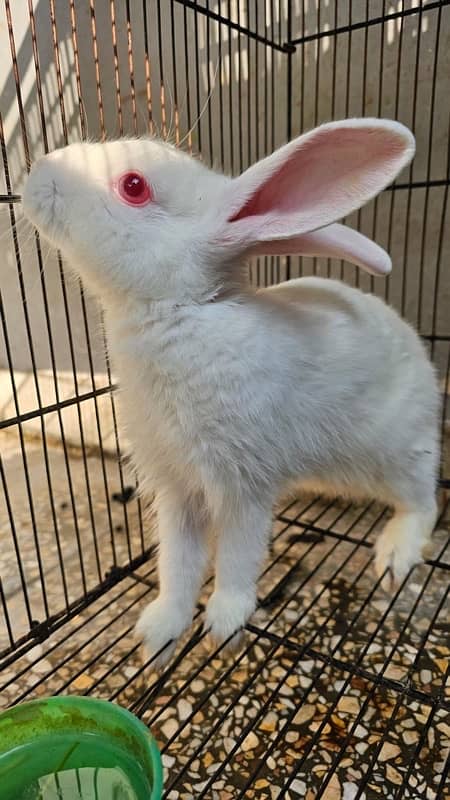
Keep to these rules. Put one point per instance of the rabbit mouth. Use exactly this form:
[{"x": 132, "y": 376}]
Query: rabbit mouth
[{"x": 44, "y": 206}]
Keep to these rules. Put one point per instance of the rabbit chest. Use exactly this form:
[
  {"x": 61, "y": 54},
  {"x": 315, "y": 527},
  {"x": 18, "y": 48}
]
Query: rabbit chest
[{"x": 177, "y": 409}]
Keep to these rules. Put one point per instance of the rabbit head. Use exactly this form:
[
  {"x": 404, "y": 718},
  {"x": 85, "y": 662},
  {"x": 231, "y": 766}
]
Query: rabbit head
[{"x": 140, "y": 218}]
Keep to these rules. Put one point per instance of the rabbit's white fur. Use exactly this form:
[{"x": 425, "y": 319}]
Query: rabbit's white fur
[{"x": 229, "y": 394}]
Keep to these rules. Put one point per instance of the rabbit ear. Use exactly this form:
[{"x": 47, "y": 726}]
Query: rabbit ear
[
  {"x": 313, "y": 181},
  {"x": 334, "y": 241}
]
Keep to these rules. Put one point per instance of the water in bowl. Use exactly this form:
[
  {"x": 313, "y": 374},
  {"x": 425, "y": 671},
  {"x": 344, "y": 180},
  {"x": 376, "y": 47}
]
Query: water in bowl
[
  {"x": 82, "y": 768},
  {"x": 85, "y": 783}
]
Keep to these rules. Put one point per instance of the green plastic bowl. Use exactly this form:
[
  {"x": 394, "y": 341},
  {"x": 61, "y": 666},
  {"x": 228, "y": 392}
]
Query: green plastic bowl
[{"x": 77, "y": 748}]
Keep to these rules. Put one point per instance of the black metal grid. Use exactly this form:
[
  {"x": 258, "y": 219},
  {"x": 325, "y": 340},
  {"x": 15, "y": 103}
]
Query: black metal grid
[
  {"x": 333, "y": 551},
  {"x": 140, "y": 67}
]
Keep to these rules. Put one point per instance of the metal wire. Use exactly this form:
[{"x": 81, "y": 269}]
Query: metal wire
[
  {"x": 354, "y": 26},
  {"x": 168, "y": 62},
  {"x": 159, "y": 697}
]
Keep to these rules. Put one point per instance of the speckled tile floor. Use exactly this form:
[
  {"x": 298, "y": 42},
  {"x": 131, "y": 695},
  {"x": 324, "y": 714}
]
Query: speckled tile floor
[{"x": 339, "y": 690}]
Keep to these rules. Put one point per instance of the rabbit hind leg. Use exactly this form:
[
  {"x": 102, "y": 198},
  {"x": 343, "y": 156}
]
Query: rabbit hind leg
[{"x": 401, "y": 543}]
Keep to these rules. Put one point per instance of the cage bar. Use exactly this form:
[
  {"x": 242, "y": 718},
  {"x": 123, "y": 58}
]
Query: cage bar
[{"x": 336, "y": 686}]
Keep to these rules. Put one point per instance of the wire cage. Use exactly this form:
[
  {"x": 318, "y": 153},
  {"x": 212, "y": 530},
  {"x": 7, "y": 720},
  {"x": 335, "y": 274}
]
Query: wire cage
[{"x": 338, "y": 689}]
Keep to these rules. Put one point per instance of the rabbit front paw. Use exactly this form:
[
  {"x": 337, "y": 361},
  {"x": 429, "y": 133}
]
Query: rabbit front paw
[
  {"x": 226, "y": 614},
  {"x": 159, "y": 626}
]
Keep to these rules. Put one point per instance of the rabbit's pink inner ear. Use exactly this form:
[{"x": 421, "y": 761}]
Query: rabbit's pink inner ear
[
  {"x": 318, "y": 178},
  {"x": 334, "y": 241}
]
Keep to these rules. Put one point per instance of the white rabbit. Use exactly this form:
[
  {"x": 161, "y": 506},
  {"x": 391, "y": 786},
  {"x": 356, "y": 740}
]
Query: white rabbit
[{"x": 228, "y": 393}]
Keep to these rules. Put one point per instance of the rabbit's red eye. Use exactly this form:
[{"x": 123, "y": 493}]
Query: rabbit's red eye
[{"x": 133, "y": 189}]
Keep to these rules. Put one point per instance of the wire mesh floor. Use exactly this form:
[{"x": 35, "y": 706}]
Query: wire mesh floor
[{"x": 339, "y": 689}]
